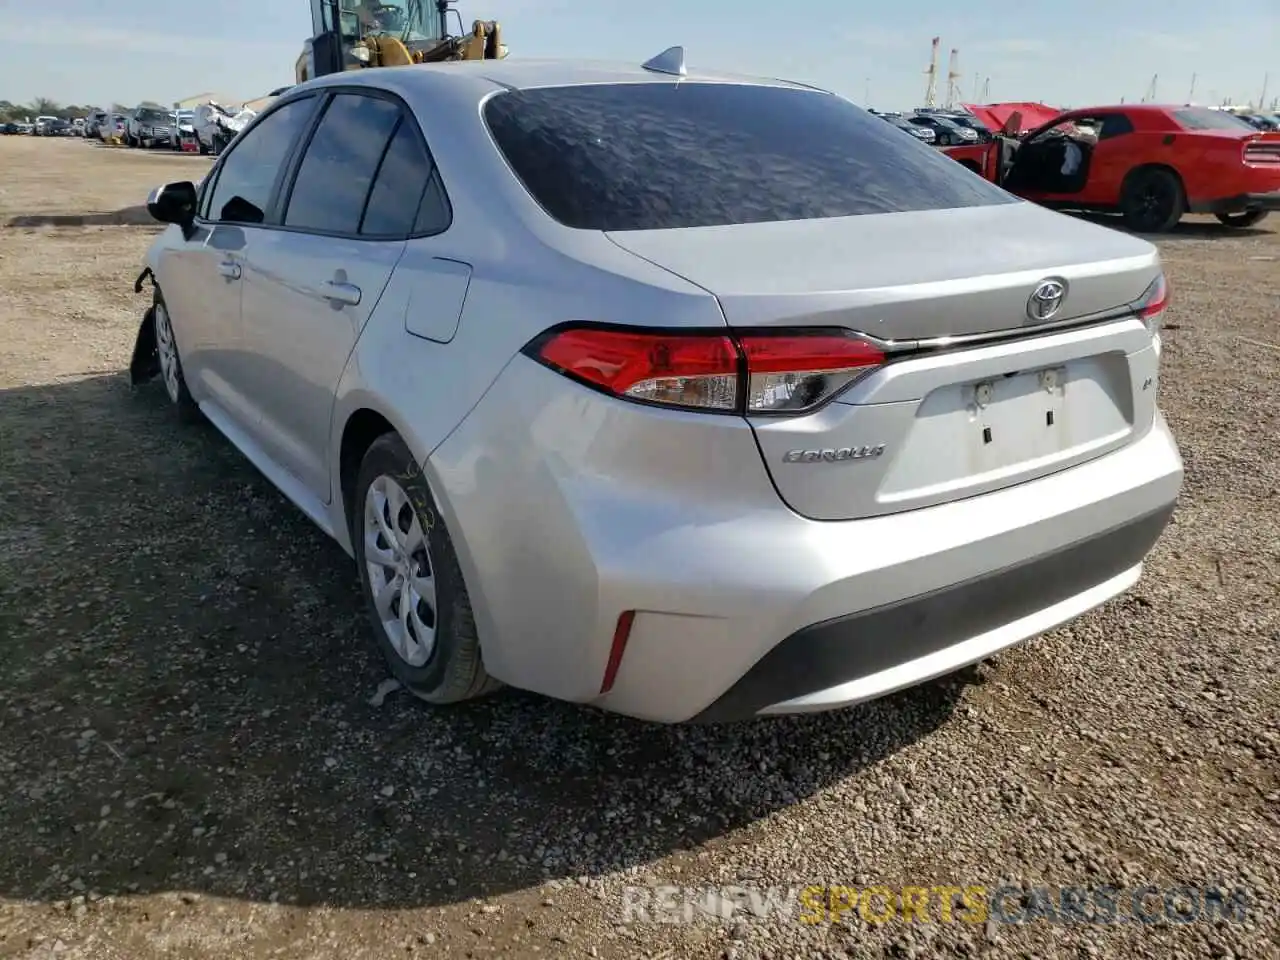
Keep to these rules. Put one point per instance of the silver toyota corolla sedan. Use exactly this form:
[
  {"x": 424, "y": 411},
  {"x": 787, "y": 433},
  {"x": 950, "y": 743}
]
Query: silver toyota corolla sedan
[{"x": 688, "y": 396}]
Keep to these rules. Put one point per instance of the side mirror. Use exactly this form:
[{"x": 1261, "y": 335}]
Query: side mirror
[{"x": 174, "y": 203}]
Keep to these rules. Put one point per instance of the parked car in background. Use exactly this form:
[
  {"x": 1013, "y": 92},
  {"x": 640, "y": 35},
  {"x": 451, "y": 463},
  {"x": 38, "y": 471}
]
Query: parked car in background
[
  {"x": 93, "y": 123},
  {"x": 1260, "y": 121},
  {"x": 184, "y": 132},
  {"x": 969, "y": 121},
  {"x": 680, "y": 396},
  {"x": 948, "y": 132},
  {"x": 1150, "y": 163},
  {"x": 116, "y": 127},
  {"x": 10, "y": 128},
  {"x": 921, "y": 133},
  {"x": 54, "y": 127},
  {"x": 41, "y": 125},
  {"x": 149, "y": 126}
]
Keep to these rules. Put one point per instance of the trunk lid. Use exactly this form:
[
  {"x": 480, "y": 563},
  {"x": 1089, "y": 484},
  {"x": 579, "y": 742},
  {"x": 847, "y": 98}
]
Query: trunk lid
[{"x": 1018, "y": 403}]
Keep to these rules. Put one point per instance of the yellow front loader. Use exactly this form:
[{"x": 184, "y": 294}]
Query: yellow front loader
[{"x": 358, "y": 34}]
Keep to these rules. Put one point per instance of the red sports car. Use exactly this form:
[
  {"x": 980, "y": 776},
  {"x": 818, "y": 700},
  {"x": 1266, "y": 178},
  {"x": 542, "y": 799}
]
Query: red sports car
[{"x": 1150, "y": 163}]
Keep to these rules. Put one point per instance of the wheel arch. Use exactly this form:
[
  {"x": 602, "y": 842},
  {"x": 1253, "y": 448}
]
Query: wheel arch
[
  {"x": 363, "y": 421},
  {"x": 1139, "y": 168}
]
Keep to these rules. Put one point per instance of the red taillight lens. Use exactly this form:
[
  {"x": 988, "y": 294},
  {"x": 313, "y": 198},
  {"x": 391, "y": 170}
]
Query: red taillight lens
[
  {"x": 801, "y": 371},
  {"x": 682, "y": 371},
  {"x": 1152, "y": 305},
  {"x": 754, "y": 373},
  {"x": 1155, "y": 300}
]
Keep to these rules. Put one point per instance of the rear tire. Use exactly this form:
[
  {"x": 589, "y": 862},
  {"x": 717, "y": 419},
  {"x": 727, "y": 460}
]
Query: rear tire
[
  {"x": 1242, "y": 221},
  {"x": 413, "y": 588},
  {"x": 1152, "y": 200}
]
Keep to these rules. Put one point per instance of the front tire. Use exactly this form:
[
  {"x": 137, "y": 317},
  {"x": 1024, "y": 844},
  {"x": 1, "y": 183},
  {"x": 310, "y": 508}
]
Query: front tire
[
  {"x": 413, "y": 588},
  {"x": 1242, "y": 221},
  {"x": 1152, "y": 201},
  {"x": 175, "y": 382}
]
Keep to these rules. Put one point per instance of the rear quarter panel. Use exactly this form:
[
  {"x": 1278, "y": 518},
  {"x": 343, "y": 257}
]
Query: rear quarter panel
[{"x": 1210, "y": 165}]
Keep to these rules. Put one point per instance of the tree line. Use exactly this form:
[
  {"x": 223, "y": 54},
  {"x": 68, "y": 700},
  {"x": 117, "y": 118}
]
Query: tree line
[{"x": 43, "y": 107}]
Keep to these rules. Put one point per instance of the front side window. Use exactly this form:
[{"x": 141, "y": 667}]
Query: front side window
[
  {"x": 248, "y": 173},
  {"x": 660, "y": 155}
]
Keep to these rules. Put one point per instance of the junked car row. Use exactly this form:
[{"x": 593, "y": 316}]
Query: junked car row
[{"x": 205, "y": 129}]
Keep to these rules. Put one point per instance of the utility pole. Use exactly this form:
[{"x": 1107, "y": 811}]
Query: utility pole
[
  {"x": 1151, "y": 90},
  {"x": 1262, "y": 100},
  {"x": 986, "y": 90},
  {"x": 1191, "y": 97}
]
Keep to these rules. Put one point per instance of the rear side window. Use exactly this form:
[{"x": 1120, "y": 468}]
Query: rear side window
[
  {"x": 1202, "y": 118},
  {"x": 644, "y": 156},
  {"x": 406, "y": 197},
  {"x": 340, "y": 163}
]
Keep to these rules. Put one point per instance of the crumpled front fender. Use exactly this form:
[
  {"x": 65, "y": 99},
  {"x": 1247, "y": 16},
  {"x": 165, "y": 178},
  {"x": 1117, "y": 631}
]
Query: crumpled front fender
[{"x": 145, "y": 364}]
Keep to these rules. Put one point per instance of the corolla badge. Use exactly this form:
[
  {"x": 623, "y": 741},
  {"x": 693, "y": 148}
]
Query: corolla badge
[
  {"x": 833, "y": 454},
  {"x": 1046, "y": 300}
]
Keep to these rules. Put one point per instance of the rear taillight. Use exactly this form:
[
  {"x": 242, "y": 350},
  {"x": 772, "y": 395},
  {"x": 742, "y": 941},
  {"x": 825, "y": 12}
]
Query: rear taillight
[
  {"x": 750, "y": 373},
  {"x": 1151, "y": 306},
  {"x": 1262, "y": 152},
  {"x": 802, "y": 371}
]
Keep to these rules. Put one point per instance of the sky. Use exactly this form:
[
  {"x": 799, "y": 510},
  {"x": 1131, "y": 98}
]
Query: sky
[{"x": 126, "y": 51}]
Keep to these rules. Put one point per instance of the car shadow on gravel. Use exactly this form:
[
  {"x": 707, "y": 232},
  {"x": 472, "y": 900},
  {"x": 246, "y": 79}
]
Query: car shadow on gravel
[
  {"x": 1206, "y": 229},
  {"x": 136, "y": 216},
  {"x": 185, "y": 703}
]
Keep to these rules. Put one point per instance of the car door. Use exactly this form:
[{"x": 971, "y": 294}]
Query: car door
[
  {"x": 313, "y": 283},
  {"x": 1110, "y": 160},
  {"x": 1107, "y": 162},
  {"x": 202, "y": 277}
]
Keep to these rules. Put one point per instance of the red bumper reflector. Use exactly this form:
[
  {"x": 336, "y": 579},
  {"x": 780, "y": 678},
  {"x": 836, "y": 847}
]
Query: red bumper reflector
[{"x": 621, "y": 633}]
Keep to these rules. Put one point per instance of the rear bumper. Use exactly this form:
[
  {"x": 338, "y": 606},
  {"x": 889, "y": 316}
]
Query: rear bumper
[
  {"x": 869, "y": 654},
  {"x": 568, "y": 509},
  {"x": 1239, "y": 203}
]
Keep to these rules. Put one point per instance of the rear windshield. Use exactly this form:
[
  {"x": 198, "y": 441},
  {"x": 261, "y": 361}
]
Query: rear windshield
[
  {"x": 649, "y": 156},
  {"x": 1201, "y": 118}
]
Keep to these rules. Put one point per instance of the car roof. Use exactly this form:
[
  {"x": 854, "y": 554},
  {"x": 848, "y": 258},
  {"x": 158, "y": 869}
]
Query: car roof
[{"x": 485, "y": 76}]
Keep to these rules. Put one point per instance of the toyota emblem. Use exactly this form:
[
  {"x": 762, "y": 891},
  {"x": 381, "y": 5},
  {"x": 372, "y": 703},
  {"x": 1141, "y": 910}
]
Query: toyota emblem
[{"x": 1046, "y": 300}]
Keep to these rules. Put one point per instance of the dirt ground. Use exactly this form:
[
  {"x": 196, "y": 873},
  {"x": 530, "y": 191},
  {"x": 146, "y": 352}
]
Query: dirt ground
[{"x": 194, "y": 764}]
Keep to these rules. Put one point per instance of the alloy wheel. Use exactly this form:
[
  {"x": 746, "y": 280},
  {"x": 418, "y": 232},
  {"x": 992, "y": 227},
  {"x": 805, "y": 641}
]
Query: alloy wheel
[
  {"x": 168, "y": 351},
  {"x": 401, "y": 577}
]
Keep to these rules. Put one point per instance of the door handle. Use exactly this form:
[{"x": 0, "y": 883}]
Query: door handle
[
  {"x": 229, "y": 269},
  {"x": 336, "y": 292}
]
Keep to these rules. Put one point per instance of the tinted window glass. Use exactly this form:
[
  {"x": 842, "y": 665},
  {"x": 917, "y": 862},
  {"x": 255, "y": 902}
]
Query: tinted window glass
[
  {"x": 657, "y": 155},
  {"x": 434, "y": 214},
  {"x": 397, "y": 191},
  {"x": 249, "y": 170},
  {"x": 1201, "y": 118},
  {"x": 1114, "y": 125},
  {"x": 341, "y": 160}
]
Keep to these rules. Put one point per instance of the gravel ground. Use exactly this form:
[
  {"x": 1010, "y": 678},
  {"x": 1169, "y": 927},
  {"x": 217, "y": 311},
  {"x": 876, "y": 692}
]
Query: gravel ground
[{"x": 197, "y": 762}]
